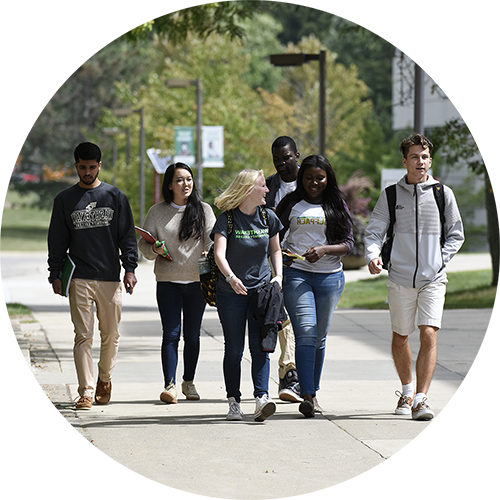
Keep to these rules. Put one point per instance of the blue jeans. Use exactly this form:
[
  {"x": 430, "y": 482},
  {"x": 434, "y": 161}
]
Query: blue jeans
[
  {"x": 173, "y": 298},
  {"x": 235, "y": 311},
  {"x": 310, "y": 299}
]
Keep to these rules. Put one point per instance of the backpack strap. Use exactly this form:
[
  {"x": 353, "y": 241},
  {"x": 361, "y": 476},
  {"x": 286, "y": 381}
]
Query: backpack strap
[
  {"x": 263, "y": 211},
  {"x": 439, "y": 196},
  {"x": 390, "y": 192},
  {"x": 229, "y": 215}
]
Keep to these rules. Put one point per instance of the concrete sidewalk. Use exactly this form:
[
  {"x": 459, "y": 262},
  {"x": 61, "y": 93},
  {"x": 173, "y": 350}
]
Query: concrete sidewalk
[{"x": 190, "y": 446}]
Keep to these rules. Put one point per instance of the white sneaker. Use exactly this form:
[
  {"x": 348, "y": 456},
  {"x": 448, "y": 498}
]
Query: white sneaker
[
  {"x": 404, "y": 404},
  {"x": 422, "y": 411},
  {"x": 169, "y": 395},
  {"x": 234, "y": 412},
  {"x": 264, "y": 408}
]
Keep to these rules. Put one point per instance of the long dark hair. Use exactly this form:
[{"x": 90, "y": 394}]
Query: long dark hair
[
  {"x": 193, "y": 220},
  {"x": 338, "y": 220}
]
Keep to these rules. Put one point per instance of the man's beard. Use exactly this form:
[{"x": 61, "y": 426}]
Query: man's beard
[{"x": 88, "y": 181}]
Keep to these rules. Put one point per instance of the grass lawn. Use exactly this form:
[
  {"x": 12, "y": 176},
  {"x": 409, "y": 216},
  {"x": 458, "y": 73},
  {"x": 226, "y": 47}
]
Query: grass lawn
[
  {"x": 23, "y": 227},
  {"x": 18, "y": 310},
  {"x": 465, "y": 290}
]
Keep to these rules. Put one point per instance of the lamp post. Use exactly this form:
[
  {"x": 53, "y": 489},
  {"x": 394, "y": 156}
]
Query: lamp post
[
  {"x": 299, "y": 60},
  {"x": 418, "y": 111},
  {"x": 142, "y": 155},
  {"x": 112, "y": 132},
  {"x": 181, "y": 83}
]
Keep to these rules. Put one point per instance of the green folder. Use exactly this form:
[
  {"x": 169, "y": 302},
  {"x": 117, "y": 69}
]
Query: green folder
[{"x": 67, "y": 274}]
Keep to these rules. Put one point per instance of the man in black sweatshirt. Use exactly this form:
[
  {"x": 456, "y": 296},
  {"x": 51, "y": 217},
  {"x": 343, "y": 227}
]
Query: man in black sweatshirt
[{"x": 92, "y": 221}]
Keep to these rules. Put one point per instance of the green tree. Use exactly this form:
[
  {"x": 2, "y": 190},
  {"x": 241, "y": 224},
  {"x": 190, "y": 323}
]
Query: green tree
[
  {"x": 293, "y": 110},
  {"x": 261, "y": 40},
  {"x": 76, "y": 109},
  {"x": 227, "y": 100},
  {"x": 372, "y": 55},
  {"x": 299, "y": 22},
  {"x": 222, "y": 18}
]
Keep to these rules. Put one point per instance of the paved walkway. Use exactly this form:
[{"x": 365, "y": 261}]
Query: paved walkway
[{"x": 190, "y": 446}]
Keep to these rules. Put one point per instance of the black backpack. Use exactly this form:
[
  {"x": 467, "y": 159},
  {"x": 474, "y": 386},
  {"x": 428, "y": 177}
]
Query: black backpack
[
  {"x": 385, "y": 253},
  {"x": 208, "y": 281}
]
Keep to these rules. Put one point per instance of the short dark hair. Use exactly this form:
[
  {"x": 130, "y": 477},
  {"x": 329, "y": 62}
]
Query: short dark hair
[
  {"x": 87, "y": 151},
  {"x": 283, "y": 141},
  {"x": 415, "y": 140}
]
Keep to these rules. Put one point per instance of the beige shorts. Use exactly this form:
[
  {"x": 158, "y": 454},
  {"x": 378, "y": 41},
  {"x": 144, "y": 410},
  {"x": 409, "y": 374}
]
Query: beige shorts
[{"x": 411, "y": 308}]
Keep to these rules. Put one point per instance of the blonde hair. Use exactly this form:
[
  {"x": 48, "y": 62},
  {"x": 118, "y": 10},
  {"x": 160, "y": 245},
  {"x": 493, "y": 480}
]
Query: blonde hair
[{"x": 238, "y": 190}]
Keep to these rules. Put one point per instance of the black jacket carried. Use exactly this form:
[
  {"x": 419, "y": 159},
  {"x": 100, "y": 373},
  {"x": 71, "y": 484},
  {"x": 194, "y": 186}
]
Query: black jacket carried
[{"x": 267, "y": 302}]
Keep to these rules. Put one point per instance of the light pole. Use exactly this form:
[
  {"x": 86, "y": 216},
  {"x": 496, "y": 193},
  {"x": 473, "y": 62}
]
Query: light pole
[
  {"x": 299, "y": 60},
  {"x": 418, "y": 111},
  {"x": 112, "y": 132},
  {"x": 181, "y": 83},
  {"x": 142, "y": 155}
]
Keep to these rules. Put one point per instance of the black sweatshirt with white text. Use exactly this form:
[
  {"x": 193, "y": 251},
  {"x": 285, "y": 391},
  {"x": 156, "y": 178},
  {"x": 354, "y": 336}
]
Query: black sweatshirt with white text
[{"x": 97, "y": 228}]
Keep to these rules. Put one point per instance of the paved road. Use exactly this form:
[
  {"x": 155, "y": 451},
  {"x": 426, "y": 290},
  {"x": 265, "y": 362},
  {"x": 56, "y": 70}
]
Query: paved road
[{"x": 190, "y": 446}]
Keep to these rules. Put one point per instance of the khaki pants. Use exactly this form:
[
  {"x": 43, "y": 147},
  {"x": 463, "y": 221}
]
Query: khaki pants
[
  {"x": 286, "y": 338},
  {"x": 107, "y": 297},
  {"x": 287, "y": 346}
]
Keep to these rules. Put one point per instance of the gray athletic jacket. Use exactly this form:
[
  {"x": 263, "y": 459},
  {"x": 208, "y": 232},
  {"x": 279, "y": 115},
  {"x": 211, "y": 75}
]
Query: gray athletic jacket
[{"x": 417, "y": 257}]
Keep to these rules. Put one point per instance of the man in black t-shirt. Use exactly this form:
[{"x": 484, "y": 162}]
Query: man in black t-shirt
[{"x": 92, "y": 222}]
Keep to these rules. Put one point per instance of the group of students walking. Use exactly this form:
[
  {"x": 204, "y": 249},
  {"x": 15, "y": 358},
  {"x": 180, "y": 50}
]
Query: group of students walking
[{"x": 286, "y": 235}]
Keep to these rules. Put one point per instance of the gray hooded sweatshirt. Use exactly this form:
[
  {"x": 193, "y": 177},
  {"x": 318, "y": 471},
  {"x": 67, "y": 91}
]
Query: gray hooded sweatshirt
[{"x": 417, "y": 257}]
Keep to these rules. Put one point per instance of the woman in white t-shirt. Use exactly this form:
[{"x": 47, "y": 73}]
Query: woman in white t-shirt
[{"x": 317, "y": 227}]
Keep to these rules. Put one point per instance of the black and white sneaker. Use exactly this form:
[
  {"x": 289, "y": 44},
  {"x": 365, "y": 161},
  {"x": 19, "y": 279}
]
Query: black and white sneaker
[{"x": 289, "y": 388}]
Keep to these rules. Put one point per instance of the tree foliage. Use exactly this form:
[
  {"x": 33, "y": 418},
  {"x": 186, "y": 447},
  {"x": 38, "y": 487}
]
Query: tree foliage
[
  {"x": 261, "y": 40},
  {"x": 372, "y": 55},
  {"x": 222, "y": 18},
  {"x": 454, "y": 141},
  {"x": 299, "y": 21},
  {"x": 77, "y": 109},
  {"x": 231, "y": 72},
  {"x": 293, "y": 109}
]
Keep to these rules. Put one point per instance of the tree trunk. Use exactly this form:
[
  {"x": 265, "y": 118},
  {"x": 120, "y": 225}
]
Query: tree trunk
[{"x": 493, "y": 229}]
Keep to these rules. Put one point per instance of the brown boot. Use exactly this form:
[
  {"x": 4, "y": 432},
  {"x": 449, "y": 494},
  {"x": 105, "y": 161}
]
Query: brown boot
[{"x": 102, "y": 392}]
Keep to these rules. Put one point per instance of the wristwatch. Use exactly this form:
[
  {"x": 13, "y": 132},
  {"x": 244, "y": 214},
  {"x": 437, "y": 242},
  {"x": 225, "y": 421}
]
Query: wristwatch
[{"x": 229, "y": 277}]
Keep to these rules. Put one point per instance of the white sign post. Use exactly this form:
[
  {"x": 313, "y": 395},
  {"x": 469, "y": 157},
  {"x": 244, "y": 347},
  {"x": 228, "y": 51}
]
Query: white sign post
[{"x": 213, "y": 146}]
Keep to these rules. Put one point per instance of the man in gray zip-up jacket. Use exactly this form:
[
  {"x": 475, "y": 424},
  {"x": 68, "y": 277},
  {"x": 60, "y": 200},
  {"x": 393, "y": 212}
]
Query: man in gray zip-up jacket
[{"x": 417, "y": 269}]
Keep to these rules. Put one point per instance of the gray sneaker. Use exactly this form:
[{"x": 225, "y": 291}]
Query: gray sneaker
[
  {"x": 264, "y": 408},
  {"x": 234, "y": 412},
  {"x": 404, "y": 404},
  {"x": 422, "y": 411},
  {"x": 189, "y": 390}
]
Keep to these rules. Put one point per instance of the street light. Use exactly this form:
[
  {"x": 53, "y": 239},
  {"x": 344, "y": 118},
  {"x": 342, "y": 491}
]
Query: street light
[
  {"x": 418, "y": 110},
  {"x": 112, "y": 132},
  {"x": 142, "y": 155},
  {"x": 181, "y": 83},
  {"x": 299, "y": 60}
]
